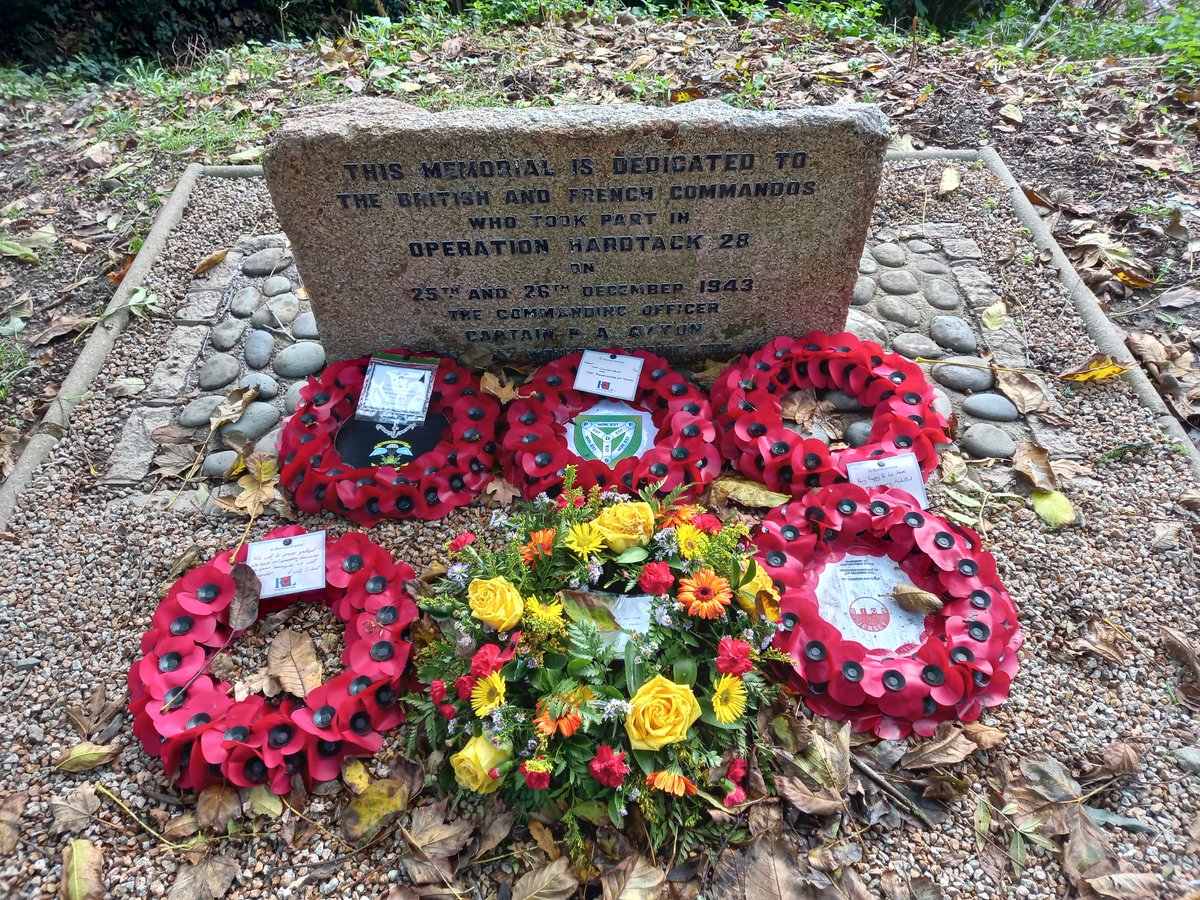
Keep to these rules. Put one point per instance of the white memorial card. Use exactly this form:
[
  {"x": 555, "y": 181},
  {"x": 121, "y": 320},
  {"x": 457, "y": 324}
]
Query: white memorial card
[
  {"x": 396, "y": 391},
  {"x": 610, "y": 431},
  {"x": 901, "y": 471},
  {"x": 632, "y": 614},
  {"x": 289, "y": 565},
  {"x": 608, "y": 374},
  {"x": 854, "y": 595}
]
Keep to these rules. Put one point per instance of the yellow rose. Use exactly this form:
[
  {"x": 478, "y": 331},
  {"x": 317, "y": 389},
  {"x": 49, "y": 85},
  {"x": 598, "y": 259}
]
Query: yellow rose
[
  {"x": 474, "y": 762},
  {"x": 750, "y": 590},
  {"x": 626, "y": 525},
  {"x": 661, "y": 712},
  {"x": 495, "y": 602}
]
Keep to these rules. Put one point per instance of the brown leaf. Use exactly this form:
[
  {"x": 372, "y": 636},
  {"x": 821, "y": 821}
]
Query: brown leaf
[
  {"x": 501, "y": 491},
  {"x": 727, "y": 489},
  {"x": 85, "y": 756},
  {"x": 99, "y": 711},
  {"x": 209, "y": 261},
  {"x": 12, "y": 808},
  {"x": 372, "y": 810},
  {"x": 431, "y": 833},
  {"x": 83, "y": 872},
  {"x": 1180, "y": 647},
  {"x": 951, "y": 179},
  {"x": 1180, "y": 298},
  {"x": 911, "y": 598},
  {"x": 947, "y": 746},
  {"x": 836, "y": 856},
  {"x": 243, "y": 608},
  {"x": 711, "y": 371},
  {"x": 544, "y": 839},
  {"x": 1117, "y": 760},
  {"x": 827, "y": 759},
  {"x": 1146, "y": 347},
  {"x": 1050, "y": 779},
  {"x": 1127, "y": 885},
  {"x": 497, "y": 828},
  {"x": 1033, "y": 461},
  {"x": 822, "y": 803},
  {"x": 774, "y": 871},
  {"x": 181, "y": 826},
  {"x": 1022, "y": 390},
  {"x": 208, "y": 879},
  {"x": 1087, "y": 845},
  {"x": 803, "y": 408},
  {"x": 984, "y": 736},
  {"x": 74, "y": 811},
  {"x": 635, "y": 878},
  {"x": 217, "y": 805},
  {"x": 64, "y": 323},
  {"x": 1097, "y": 367},
  {"x": 553, "y": 881},
  {"x": 1100, "y": 639},
  {"x": 502, "y": 389},
  {"x": 169, "y": 435},
  {"x": 292, "y": 658},
  {"x": 259, "y": 484}
]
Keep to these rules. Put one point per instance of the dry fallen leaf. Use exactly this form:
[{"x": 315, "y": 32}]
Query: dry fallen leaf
[
  {"x": 553, "y": 881},
  {"x": 12, "y": 808},
  {"x": 949, "y": 745},
  {"x": 1033, "y": 461},
  {"x": 82, "y": 872},
  {"x": 501, "y": 491},
  {"x": 1022, "y": 390},
  {"x": 85, "y": 756},
  {"x": 1097, "y": 367},
  {"x": 292, "y": 658},
  {"x": 984, "y": 736},
  {"x": 728, "y": 489},
  {"x": 504, "y": 390},
  {"x": 951, "y": 179},
  {"x": 217, "y": 805},
  {"x": 208, "y": 879},
  {"x": 1101, "y": 640},
  {"x": 73, "y": 812},
  {"x": 911, "y": 598},
  {"x": 209, "y": 261},
  {"x": 373, "y": 809}
]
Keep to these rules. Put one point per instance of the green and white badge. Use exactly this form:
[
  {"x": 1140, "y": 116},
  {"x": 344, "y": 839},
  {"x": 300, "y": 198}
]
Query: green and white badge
[{"x": 611, "y": 431}]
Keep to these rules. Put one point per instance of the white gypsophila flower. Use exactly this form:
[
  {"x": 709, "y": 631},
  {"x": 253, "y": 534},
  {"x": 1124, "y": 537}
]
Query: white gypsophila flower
[
  {"x": 532, "y": 745},
  {"x": 615, "y": 709}
]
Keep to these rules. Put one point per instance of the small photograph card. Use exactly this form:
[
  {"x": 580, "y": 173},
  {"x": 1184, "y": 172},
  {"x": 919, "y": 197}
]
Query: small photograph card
[
  {"x": 396, "y": 390},
  {"x": 608, "y": 374},
  {"x": 900, "y": 471},
  {"x": 289, "y": 565}
]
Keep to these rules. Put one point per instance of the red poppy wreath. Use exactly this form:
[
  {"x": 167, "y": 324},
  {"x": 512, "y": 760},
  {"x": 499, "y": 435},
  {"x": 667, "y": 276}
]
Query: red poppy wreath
[
  {"x": 446, "y": 476},
  {"x": 205, "y": 737},
  {"x": 749, "y": 395},
  {"x": 841, "y": 557},
  {"x": 552, "y": 426}
]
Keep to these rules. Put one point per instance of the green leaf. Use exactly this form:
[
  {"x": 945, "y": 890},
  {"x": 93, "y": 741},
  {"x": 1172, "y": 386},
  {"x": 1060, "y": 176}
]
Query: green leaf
[
  {"x": 645, "y": 759},
  {"x": 582, "y": 606},
  {"x": 614, "y": 809},
  {"x": 983, "y": 822},
  {"x": 635, "y": 672},
  {"x": 708, "y": 717},
  {"x": 684, "y": 671},
  {"x": 591, "y": 810},
  {"x": 373, "y": 809},
  {"x": 20, "y": 251},
  {"x": 634, "y": 555},
  {"x": 1053, "y": 508}
]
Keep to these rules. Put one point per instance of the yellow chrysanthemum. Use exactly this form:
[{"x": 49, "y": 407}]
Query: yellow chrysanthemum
[
  {"x": 488, "y": 694},
  {"x": 729, "y": 699},
  {"x": 691, "y": 540},
  {"x": 548, "y": 615},
  {"x": 584, "y": 539}
]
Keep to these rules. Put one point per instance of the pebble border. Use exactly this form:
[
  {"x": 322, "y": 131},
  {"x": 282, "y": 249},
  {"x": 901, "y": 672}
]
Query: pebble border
[{"x": 91, "y": 359}]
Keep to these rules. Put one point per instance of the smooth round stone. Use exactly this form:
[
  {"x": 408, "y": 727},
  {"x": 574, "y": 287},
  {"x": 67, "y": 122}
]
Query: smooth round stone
[
  {"x": 258, "y": 348},
  {"x": 867, "y": 266},
  {"x": 227, "y": 334},
  {"x": 305, "y": 326},
  {"x": 941, "y": 403},
  {"x": 218, "y": 371},
  {"x": 276, "y": 284},
  {"x": 292, "y": 398},
  {"x": 913, "y": 344},
  {"x": 843, "y": 402},
  {"x": 285, "y": 307},
  {"x": 986, "y": 441},
  {"x": 990, "y": 405},
  {"x": 267, "y": 386},
  {"x": 889, "y": 254},
  {"x": 898, "y": 310},
  {"x": 257, "y": 420},
  {"x": 932, "y": 267},
  {"x": 864, "y": 327},
  {"x": 858, "y": 433},
  {"x": 901, "y": 282},
  {"x": 953, "y": 334},
  {"x": 263, "y": 316},
  {"x": 266, "y": 444},
  {"x": 245, "y": 302},
  {"x": 219, "y": 464},
  {"x": 864, "y": 292},
  {"x": 199, "y": 411},
  {"x": 919, "y": 246},
  {"x": 1188, "y": 759},
  {"x": 965, "y": 379},
  {"x": 300, "y": 359},
  {"x": 266, "y": 262},
  {"x": 942, "y": 294}
]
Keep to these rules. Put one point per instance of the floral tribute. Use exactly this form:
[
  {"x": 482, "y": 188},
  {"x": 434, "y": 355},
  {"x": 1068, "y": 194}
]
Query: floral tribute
[
  {"x": 204, "y": 736},
  {"x": 539, "y": 694},
  {"x": 535, "y": 453},
  {"x": 426, "y": 487},
  {"x": 952, "y": 664},
  {"x": 748, "y": 399}
]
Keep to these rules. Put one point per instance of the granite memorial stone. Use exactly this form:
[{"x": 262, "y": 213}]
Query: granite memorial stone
[{"x": 700, "y": 230}]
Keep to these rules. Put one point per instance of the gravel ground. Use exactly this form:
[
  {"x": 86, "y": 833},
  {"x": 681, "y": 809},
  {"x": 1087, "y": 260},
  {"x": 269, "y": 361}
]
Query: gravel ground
[{"x": 84, "y": 567}]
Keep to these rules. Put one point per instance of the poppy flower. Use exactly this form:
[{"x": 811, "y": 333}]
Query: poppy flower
[
  {"x": 608, "y": 766},
  {"x": 204, "y": 591}
]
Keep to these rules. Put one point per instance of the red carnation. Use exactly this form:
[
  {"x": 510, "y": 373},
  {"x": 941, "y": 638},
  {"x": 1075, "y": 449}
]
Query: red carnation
[
  {"x": 437, "y": 691},
  {"x": 448, "y": 710},
  {"x": 466, "y": 539},
  {"x": 737, "y": 770},
  {"x": 488, "y": 659},
  {"x": 733, "y": 657},
  {"x": 608, "y": 767},
  {"x": 535, "y": 781},
  {"x": 464, "y": 684},
  {"x": 562, "y": 501},
  {"x": 707, "y": 523},
  {"x": 736, "y": 797},
  {"x": 656, "y": 578}
]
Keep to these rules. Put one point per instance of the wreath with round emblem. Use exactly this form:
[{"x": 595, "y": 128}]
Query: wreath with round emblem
[
  {"x": 748, "y": 399},
  {"x": 425, "y": 487},
  {"x": 535, "y": 450},
  {"x": 204, "y": 736},
  {"x": 887, "y": 663}
]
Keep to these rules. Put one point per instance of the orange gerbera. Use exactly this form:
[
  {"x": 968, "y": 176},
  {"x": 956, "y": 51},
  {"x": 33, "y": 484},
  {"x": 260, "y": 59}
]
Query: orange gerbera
[
  {"x": 570, "y": 720},
  {"x": 671, "y": 783},
  {"x": 540, "y": 544},
  {"x": 705, "y": 594},
  {"x": 675, "y": 517}
]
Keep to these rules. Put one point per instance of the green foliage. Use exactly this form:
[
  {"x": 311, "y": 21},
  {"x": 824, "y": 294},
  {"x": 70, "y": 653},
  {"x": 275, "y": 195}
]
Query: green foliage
[{"x": 855, "y": 18}]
